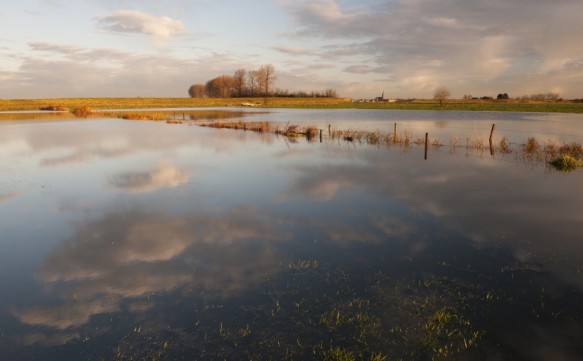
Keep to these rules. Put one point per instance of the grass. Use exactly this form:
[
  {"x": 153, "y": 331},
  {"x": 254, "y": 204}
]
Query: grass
[
  {"x": 566, "y": 163},
  {"x": 326, "y": 103},
  {"x": 428, "y": 307},
  {"x": 260, "y": 127},
  {"x": 144, "y": 103},
  {"x": 531, "y": 150}
]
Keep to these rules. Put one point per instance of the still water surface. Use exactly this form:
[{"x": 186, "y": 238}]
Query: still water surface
[{"x": 139, "y": 240}]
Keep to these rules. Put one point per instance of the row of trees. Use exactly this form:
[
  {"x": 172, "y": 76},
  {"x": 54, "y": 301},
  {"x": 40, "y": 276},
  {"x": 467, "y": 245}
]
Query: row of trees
[
  {"x": 442, "y": 93},
  {"x": 243, "y": 83},
  {"x": 250, "y": 83},
  {"x": 504, "y": 96}
]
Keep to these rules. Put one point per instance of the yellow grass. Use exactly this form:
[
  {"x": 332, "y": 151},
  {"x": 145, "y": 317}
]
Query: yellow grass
[{"x": 141, "y": 103}]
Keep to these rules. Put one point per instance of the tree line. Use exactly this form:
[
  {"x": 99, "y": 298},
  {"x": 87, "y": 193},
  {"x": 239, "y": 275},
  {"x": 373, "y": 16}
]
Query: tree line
[{"x": 249, "y": 83}]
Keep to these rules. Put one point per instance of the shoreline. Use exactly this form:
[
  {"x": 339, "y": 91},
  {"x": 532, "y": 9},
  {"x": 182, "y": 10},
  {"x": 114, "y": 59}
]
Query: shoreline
[{"x": 297, "y": 103}]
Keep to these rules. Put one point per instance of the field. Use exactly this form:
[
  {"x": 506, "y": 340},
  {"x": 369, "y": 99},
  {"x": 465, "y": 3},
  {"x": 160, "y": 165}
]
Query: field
[
  {"x": 140, "y": 103},
  {"x": 324, "y": 103}
]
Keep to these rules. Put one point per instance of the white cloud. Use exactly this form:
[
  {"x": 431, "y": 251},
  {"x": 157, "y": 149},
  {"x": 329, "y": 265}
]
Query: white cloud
[{"x": 136, "y": 22}]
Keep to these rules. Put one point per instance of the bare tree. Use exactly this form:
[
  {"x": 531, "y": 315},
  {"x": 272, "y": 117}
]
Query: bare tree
[
  {"x": 196, "y": 91},
  {"x": 220, "y": 87},
  {"x": 330, "y": 93},
  {"x": 226, "y": 85},
  {"x": 252, "y": 82},
  {"x": 239, "y": 81},
  {"x": 211, "y": 88},
  {"x": 266, "y": 77},
  {"x": 441, "y": 94}
]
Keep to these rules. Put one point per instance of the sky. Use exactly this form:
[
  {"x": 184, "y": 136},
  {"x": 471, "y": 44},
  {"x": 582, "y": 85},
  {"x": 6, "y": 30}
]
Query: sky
[{"x": 404, "y": 48}]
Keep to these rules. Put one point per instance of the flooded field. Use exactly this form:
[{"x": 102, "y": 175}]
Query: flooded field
[{"x": 142, "y": 240}]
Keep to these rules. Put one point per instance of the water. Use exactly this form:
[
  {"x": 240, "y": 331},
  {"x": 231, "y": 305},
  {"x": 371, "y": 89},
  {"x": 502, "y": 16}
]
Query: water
[{"x": 133, "y": 240}]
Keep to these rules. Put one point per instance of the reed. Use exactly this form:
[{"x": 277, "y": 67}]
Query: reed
[
  {"x": 504, "y": 145},
  {"x": 259, "y": 127},
  {"x": 531, "y": 146}
]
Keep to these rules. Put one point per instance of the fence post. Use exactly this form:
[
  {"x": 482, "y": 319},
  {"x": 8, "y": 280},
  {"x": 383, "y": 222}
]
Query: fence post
[
  {"x": 321, "y": 135},
  {"x": 395, "y": 133},
  {"x": 491, "y": 134},
  {"x": 426, "y": 143}
]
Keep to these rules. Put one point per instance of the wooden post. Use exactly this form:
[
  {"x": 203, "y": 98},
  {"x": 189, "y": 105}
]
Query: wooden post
[
  {"x": 395, "y": 133},
  {"x": 244, "y": 126},
  {"x": 183, "y": 116},
  {"x": 491, "y": 134},
  {"x": 426, "y": 144},
  {"x": 321, "y": 135},
  {"x": 329, "y": 130}
]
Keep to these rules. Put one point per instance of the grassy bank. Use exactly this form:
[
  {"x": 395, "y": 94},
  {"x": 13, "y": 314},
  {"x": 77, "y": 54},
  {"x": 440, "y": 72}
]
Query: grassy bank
[
  {"x": 140, "y": 103},
  {"x": 323, "y": 103}
]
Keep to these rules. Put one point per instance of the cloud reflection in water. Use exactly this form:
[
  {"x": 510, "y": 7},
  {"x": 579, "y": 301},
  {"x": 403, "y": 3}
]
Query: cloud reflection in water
[
  {"x": 131, "y": 254},
  {"x": 163, "y": 176}
]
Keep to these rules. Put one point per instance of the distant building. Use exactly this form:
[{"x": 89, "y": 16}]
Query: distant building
[{"x": 381, "y": 98}]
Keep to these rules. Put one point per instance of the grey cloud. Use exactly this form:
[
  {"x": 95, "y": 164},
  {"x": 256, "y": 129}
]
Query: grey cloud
[
  {"x": 56, "y": 48},
  {"x": 291, "y": 50},
  {"x": 486, "y": 45},
  {"x": 358, "y": 69},
  {"x": 136, "y": 22},
  {"x": 78, "y": 53}
]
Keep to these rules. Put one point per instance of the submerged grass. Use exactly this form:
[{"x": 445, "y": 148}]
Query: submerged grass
[
  {"x": 531, "y": 150},
  {"x": 330, "y": 313},
  {"x": 566, "y": 163}
]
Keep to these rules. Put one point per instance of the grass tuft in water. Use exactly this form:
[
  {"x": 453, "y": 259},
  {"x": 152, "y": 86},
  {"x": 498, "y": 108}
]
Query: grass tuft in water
[{"x": 565, "y": 163}]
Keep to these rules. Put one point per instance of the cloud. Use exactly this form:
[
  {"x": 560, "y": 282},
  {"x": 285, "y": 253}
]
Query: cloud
[
  {"x": 65, "y": 49},
  {"x": 136, "y": 22},
  {"x": 357, "y": 69},
  {"x": 164, "y": 176},
  {"x": 486, "y": 46},
  {"x": 291, "y": 50},
  {"x": 106, "y": 72}
]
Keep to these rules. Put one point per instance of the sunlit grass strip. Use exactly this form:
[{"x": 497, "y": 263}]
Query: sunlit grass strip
[
  {"x": 326, "y": 103},
  {"x": 141, "y": 103}
]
